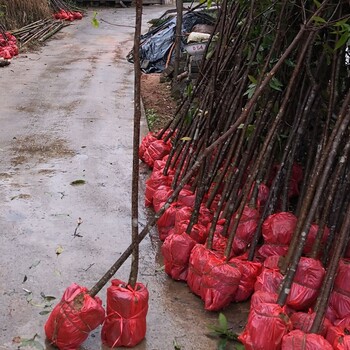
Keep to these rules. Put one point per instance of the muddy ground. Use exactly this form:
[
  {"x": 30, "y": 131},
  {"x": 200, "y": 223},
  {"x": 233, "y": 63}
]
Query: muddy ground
[{"x": 66, "y": 115}]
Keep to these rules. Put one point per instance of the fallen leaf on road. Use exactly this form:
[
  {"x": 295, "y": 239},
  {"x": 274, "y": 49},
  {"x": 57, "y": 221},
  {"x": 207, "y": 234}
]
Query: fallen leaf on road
[{"x": 59, "y": 250}]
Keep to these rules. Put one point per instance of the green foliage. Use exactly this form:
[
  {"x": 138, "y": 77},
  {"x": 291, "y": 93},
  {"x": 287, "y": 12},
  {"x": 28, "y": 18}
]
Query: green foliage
[
  {"x": 225, "y": 334},
  {"x": 94, "y": 21},
  {"x": 176, "y": 345},
  {"x": 32, "y": 343},
  {"x": 151, "y": 117},
  {"x": 342, "y": 29}
]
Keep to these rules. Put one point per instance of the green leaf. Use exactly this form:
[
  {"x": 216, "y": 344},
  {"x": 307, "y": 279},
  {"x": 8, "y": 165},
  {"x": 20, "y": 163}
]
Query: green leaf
[
  {"x": 176, "y": 345},
  {"x": 59, "y": 250},
  {"x": 44, "y": 312},
  {"x": 223, "y": 321},
  {"x": 239, "y": 346},
  {"x": 250, "y": 91},
  {"x": 222, "y": 344},
  {"x": 47, "y": 297},
  {"x": 318, "y": 19},
  {"x": 94, "y": 21},
  {"x": 252, "y": 79},
  {"x": 31, "y": 343},
  {"x": 77, "y": 182},
  {"x": 343, "y": 39},
  {"x": 185, "y": 138},
  {"x": 35, "y": 264},
  {"x": 317, "y": 3},
  {"x": 275, "y": 84}
]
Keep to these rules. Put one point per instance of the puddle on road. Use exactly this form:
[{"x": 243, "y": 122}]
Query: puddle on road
[
  {"x": 41, "y": 147},
  {"x": 15, "y": 216}
]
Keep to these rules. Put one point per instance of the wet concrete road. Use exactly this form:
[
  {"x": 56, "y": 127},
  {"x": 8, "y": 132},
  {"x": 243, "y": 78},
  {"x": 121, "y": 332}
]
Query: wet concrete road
[{"x": 66, "y": 115}]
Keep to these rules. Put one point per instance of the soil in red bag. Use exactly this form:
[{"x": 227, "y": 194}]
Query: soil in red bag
[
  {"x": 339, "y": 301},
  {"x": 339, "y": 337},
  {"x": 71, "y": 321},
  {"x": 303, "y": 321},
  {"x": 210, "y": 277},
  {"x": 125, "y": 324},
  {"x": 267, "y": 324},
  {"x": 298, "y": 340},
  {"x": 176, "y": 251}
]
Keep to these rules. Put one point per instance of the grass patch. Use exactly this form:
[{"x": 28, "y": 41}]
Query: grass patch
[{"x": 152, "y": 117}]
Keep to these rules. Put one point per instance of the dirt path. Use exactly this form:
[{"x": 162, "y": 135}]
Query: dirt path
[{"x": 66, "y": 115}]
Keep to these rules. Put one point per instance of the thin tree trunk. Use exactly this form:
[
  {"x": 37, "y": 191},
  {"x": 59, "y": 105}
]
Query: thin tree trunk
[{"x": 136, "y": 140}]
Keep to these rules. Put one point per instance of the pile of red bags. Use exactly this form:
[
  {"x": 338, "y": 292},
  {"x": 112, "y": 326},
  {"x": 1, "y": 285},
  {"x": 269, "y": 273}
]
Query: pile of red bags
[
  {"x": 71, "y": 321},
  {"x": 304, "y": 320},
  {"x": 267, "y": 324},
  {"x": 339, "y": 337},
  {"x": 8, "y": 46},
  {"x": 125, "y": 324},
  {"x": 339, "y": 302},
  {"x": 298, "y": 340},
  {"x": 176, "y": 251},
  {"x": 211, "y": 278},
  {"x": 152, "y": 149},
  {"x": 277, "y": 231},
  {"x": 304, "y": 291},
  {"x": 67, "y": 15}
]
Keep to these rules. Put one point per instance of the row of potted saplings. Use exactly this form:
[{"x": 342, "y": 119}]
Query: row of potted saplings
[{"x": 220, "y": 278}]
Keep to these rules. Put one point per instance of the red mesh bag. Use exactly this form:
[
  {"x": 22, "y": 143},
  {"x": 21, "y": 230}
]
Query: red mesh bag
[
  {"x": 340, "y": 296},
  {"x": 167, "y": 221},
  {"x": 270, "y": 278},
  {"x": 339, "y": 337},
  {"x": 73, "y": 318},
  {"x": 298, "y": 340},
  {"x": 249, "y": 272},
  {"x": 310, "y": 239},
  {"x": 303, "y": 321},
  {"x": 77, "y": 15},
  {"x": 262, "y": 297},
  {"x": 270, "y": 249},
  {"x": 186, "y": 198},
  {"x": 156, "y": 180},
  {"x": 176, "y": 251},
  {"x": 279, "y": 228},
  {"x": 277, "y": 231},
  {"x": 161, "y": 195},
  {"x": 159, "y": 165},
  {"x": 184, "y": 213},
  {"x": 156, "y": 150},
  {"x": 344, "y": 322},
  {"x": 198, "y": 233},
  {"x": 146, "y": 141},
  {"x": 215, "y": 281},
  {"x": 243, "y": 237},
  {"x": 219, "y": 243},
  {"x": 306, "y": 284},
  {"x": 267, "y": 325},
  {"x": 125, "y": 324}
]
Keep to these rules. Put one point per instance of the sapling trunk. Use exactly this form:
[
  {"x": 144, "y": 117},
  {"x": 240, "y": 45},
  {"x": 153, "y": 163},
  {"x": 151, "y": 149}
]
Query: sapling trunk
[
  {"x": 327, "y": 285},
  {"x": 136, "y": 140},
  {"x": 334, "y": 219},
  {"x": 314, "y": 184},
  {"x": 331, "y": 194},
  {"x": 323, "y": 171},
  {"x": 178, "y": 37}
]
